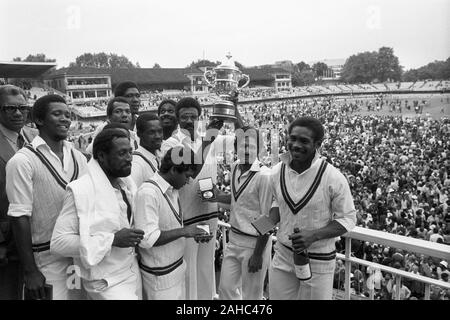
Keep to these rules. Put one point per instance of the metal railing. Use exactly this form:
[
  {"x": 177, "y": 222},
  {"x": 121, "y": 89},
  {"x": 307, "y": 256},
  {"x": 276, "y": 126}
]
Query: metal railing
[{"x": 427, "y": 248}]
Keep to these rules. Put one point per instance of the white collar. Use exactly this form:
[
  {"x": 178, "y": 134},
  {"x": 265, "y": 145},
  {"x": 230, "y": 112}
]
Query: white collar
[
  {"x": 286, "y": 159},
  {"x": 255, "y": 165},
  {"x": 162, "y": 183},
  {"x": 147, "y": 153},
  {"x": 38, "y": 141}
]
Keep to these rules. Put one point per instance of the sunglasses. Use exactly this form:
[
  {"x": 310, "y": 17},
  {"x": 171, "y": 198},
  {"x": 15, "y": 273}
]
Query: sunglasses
[{"x": 11, "y": 109}]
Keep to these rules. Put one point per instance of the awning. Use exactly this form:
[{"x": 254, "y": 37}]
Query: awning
[{"x": 24, "y": 69}]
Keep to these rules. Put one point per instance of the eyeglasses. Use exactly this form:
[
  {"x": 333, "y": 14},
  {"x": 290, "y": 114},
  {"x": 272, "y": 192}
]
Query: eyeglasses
[{"x": 11, "y": 109}]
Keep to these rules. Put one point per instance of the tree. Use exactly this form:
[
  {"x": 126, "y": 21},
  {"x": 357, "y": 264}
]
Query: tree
[
  {"x": 360, "y": 68},
  {"x": 102, "y": 60},
  {"x": 39, "y": 57},
  {"x": 156, "y": 66},
  {"x": 387, "y": 65},
  {"x": 203, "y": 63},
  {"x": 320, "y": 69},
  {"x": 372, "y": 66},
  {"x": 437, "y": 70},
  {"x": 301, "y": 66},
  {"x": 303, "y": 78}
]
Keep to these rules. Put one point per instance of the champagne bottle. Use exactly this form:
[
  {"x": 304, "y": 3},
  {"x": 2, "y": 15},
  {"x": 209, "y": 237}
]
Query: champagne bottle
[{"x": 301, "y": 264}]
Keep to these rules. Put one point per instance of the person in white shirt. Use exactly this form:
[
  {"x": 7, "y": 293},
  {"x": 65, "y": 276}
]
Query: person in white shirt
[
  {"x": 95, "y": 226},
  {"x": 313, "y": 196},
  {"x": 247, "y": 254},
  {"x": 117, "y": 111},
  {"x": 159, "y": 214},
  {"x": 200, "y": 278},
  {"x": 36, "y": 179},
  {"x": 146, "y": 157}
]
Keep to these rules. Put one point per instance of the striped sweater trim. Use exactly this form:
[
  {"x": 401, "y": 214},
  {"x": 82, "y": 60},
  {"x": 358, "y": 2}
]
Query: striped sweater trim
[
  {"x": 296, "y": 207},
  {"x": 161, "y": 271},
  {"x": 201, "y": 218}
]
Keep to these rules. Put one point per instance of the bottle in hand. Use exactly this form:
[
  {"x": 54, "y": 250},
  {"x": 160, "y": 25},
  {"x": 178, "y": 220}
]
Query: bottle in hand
[{"x": 301, "y": 264}]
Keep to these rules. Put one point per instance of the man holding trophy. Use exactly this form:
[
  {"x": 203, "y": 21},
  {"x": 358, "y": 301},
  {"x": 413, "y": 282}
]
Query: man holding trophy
[{"x": 199, "y": 256}]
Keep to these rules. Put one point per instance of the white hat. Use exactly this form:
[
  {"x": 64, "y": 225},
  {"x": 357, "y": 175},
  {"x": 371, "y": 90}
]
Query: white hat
[{"x": 444, "y": 263}]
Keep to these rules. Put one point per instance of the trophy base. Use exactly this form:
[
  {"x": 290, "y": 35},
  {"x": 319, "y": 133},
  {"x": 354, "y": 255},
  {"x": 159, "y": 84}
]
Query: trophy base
[{"x": 224, "y": 110}]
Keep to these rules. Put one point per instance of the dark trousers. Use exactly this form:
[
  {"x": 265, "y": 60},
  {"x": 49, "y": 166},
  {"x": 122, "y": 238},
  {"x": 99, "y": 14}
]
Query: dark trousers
[{"x": 11, "y": 281}]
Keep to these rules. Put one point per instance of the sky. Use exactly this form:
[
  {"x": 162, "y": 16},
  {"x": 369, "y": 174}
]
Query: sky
[{"x": 173, "y": 33}]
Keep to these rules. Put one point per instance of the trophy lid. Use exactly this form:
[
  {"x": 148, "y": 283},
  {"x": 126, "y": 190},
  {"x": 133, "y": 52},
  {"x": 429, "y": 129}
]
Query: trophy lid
[{"x": 228, "y": 63}]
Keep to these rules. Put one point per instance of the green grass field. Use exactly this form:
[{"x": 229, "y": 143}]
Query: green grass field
[{"x": 437, "y": 106}]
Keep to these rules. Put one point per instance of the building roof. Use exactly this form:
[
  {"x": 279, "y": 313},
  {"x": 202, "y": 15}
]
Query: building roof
[
  {"x": 24, "y": 69},
  {"x": 153, "y": 76},
  {"x": 77, "y": 71},
  {"x": 149, "y": 76},
  {"x": 138, "y": 75}
]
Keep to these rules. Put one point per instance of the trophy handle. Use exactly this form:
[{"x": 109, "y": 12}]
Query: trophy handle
[
  {"x": 246, "y": 83},
  {"x": 208, "y": 73}
]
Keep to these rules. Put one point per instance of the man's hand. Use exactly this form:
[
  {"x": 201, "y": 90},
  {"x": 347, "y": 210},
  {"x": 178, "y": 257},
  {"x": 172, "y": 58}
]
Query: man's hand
[
  {"x": 302, "y": 240},
  {"x": 198, "y": 234},
  {"x": 192, "y": 231},
  {"x": 34, "y": 282},
  {"x": 255, "y": 263},
  {"x": 127, "y": 238}
]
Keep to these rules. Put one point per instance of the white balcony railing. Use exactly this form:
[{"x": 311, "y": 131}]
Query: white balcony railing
[
  {"x": 87, "y": 86},
  {"x": 427, "y": 248}
]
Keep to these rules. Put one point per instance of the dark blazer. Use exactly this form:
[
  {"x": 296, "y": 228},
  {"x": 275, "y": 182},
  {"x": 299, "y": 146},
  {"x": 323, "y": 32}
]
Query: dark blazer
[{"x": 6, "y": 153}]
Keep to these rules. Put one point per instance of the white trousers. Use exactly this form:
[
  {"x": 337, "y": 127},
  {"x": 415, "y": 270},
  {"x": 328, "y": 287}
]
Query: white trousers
[
  {"x": 177, "y": 292},
  {"x": 127, "y": 286},
  {"x": 284, "y": 285},
  {"x": 200, "y": 272},
  {"x": 54, "y": 269},
  {"x": 170, "y": 286},
  {"x": 236, "y": 283}
]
